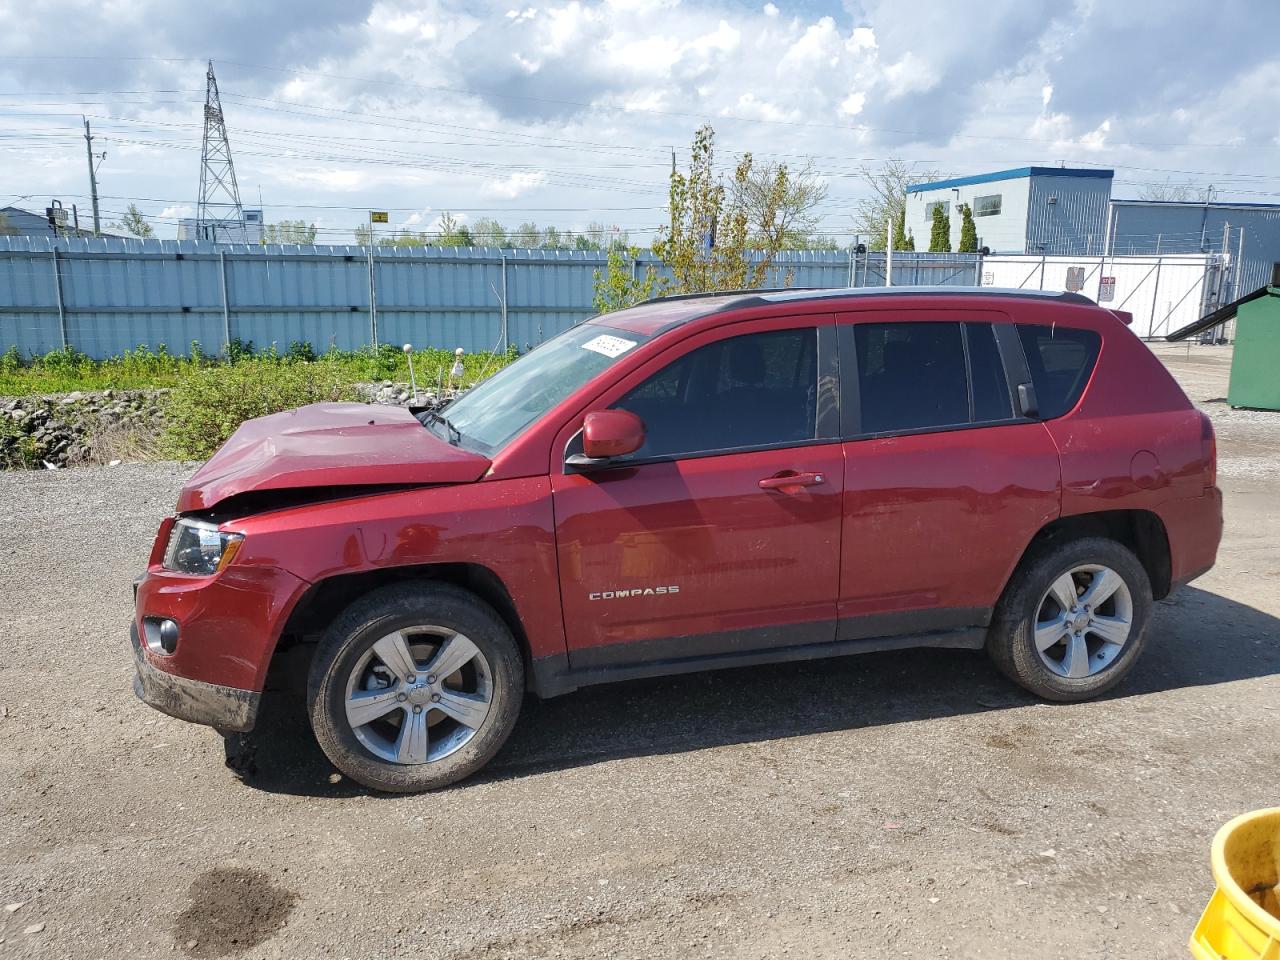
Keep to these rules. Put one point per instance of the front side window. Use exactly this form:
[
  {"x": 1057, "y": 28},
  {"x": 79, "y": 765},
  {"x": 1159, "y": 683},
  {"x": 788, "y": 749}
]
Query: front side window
[
  {"x": 1061, "y": 360},
  {"x": 756, "y": 390},
  {"x": 930, "y": 207},
  {"x": 988, "y": 206},
  {"x": 490, "y": 415}
]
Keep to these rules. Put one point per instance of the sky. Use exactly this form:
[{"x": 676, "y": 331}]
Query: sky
[{"x": 567, "y": 113}]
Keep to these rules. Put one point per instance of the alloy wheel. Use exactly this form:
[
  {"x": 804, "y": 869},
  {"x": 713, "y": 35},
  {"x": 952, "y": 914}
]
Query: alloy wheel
[
  {"x": 418, "y": 695},
  {"x": 1083, "y": 621}
]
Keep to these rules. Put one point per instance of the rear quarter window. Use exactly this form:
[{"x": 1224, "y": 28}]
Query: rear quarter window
[{"x": 1061, "y": 360}]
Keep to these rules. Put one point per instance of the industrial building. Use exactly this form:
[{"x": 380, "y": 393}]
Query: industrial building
[
  {"x": 1053, "y": 210},
  {"x": 1247, "y": 232},
  {"x": 25, "y": 223},
  {"x": 1069, "y": 212},
  {"x": 248, "y": 230}
]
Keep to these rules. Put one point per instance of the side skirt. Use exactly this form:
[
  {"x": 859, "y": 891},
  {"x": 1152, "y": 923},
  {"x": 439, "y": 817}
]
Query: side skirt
[{"x": 553, "y": 676}]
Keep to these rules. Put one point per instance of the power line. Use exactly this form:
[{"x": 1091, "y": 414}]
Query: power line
[{"x": 481, "y": 92}]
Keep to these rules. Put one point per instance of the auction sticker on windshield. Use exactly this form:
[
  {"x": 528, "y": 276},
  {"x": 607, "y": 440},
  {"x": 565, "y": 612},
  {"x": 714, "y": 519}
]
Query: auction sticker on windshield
[{"x": 609, "y": 346}]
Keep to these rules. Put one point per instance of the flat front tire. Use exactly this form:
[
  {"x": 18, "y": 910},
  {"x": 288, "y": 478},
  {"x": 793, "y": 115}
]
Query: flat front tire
[
  {"x": 414, "y": 687},
  {"x": 1073, "y": 619}
]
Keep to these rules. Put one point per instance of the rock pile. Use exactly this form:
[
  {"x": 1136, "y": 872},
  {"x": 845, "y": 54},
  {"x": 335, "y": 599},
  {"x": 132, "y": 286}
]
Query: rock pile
[
  {"x": 107, "y": 425},
  {"x": 77, "y": 428},
  {"x": 401, "y": 394}
]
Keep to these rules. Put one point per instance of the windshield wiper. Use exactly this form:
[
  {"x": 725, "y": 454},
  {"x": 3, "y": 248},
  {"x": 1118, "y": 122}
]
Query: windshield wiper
[{"x": 453, "y": 434}]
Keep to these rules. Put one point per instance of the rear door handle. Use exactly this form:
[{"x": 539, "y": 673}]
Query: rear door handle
[{"x": 789, "y": 478}]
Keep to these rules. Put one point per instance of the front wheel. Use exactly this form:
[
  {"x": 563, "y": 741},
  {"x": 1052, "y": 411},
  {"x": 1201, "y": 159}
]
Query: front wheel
[
  {"x": 414, "y": 687},
  {"x": 1073, "y": 620}
]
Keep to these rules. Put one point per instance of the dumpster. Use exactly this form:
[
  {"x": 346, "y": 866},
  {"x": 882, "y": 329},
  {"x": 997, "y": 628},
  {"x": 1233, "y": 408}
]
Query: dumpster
[
  {"x": 1256, "y": 358},
  {"x": 1242, "y": 920}
]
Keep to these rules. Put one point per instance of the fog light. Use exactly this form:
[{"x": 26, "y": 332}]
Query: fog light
[{"x": 161, "y": 634}]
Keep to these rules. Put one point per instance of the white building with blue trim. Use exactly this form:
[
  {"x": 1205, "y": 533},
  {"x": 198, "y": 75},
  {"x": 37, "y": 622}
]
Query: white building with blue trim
[
  {"x": 1069, "y": 212},
  {"x": 1053, "y": 210}
]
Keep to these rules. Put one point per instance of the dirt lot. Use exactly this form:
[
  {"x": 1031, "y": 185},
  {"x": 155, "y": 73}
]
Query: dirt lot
[{"x": 887, "y": 805}]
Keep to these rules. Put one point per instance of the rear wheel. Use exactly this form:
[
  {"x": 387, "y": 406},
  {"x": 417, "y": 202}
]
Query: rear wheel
[
  {"x": 1073, "y": 620},
  {"x": 414, "y": 687}
]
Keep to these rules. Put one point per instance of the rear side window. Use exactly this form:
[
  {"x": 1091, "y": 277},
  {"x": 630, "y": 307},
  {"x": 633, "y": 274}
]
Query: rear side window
[
  {"x": 911, "y": 376},
  {"x": 991, "y": 399},
  {"x": 1061, "y": 360}
]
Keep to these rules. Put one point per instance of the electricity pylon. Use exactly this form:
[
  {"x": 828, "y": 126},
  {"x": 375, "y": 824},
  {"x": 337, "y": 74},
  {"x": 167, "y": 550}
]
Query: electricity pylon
[{"x": 219, "y": 216}]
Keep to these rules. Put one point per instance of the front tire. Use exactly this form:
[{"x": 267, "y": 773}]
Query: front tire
[
  {"x": 414, "y": 687},
  {"x": 1073, "y": 619}
]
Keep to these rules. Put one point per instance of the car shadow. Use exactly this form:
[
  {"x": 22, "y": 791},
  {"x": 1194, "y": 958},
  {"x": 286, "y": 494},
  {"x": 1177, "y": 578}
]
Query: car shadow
[{"x": 1203, "y": 638}]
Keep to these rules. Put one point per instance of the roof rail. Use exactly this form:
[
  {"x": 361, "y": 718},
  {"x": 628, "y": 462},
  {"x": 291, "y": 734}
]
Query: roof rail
[{"x": 724, "y": 293}]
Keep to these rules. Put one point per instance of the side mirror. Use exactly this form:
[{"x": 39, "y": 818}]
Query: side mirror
[{"x": 607, "y": 434}]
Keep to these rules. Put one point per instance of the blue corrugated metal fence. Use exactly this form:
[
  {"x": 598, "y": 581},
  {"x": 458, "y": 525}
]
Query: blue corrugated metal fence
[{"x": 103, "y": 296}]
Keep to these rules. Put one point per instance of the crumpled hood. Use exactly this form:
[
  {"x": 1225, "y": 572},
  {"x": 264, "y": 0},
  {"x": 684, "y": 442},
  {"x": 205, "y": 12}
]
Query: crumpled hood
[{"x": 329, "y": 445}]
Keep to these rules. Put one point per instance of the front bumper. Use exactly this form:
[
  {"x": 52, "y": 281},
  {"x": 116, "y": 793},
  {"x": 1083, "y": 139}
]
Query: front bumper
[{"x": 226, "y": 708}]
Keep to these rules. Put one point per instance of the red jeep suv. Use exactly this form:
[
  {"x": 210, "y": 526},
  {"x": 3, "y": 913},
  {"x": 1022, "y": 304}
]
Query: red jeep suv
[{"x": 695, "y": 482}]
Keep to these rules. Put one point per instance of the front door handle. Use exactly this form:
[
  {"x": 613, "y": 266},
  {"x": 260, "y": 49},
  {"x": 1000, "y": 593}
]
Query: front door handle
[{"x": 789, "y": 479}]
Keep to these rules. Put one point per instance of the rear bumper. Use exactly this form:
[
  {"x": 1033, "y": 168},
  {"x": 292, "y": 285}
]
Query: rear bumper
[
  {"x": 1194, "y": 528},
  {"x": 226, "y": 708}
]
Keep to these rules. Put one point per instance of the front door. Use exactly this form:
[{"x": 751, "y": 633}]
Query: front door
[{"x": 722, "y": 534}]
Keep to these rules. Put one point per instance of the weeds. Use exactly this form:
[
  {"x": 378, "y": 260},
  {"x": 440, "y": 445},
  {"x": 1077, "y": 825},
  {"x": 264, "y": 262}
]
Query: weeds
[{"x": 66, "y": 370}]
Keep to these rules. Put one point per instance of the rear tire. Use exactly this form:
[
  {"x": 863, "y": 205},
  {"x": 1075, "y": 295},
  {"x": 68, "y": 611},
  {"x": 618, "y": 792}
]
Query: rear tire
[
  {"x": 379, "y": 711},
  {"x": 1074, "y": 649}
]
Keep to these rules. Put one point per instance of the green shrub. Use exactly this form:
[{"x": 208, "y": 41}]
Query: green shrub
[{"x": 208, "y": 404}]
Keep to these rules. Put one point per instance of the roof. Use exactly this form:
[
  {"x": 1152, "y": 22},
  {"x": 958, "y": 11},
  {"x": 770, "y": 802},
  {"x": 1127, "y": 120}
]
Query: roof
[
  {"x": 1198, "y": 204},
  {"x": 1222, "y": 314},
  {"x": 732, "y": 300},
  {"x": 1015, "y": 174}
]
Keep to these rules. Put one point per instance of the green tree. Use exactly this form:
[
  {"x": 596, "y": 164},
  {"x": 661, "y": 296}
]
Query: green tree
[
  {"x": 134, "y": 223},
  {"x": 901, "y": 240},
  {"x": 940, "y": 233},
  {"x": 405, "y": 238},
  {"x": 968, "y": 231},
  {"x": 795, "y": 210},
  {"x": 553, "y": 239},
  {"x": 7, "y": 229},
  {"x": 526, "y": 236},
  {"x": 488, "y": 232},
  {"x": 710, "y": 241},
  {"x": 453, "y": 233},
  {"x": 364, "y": 234},
  {"x": 618, "y": 287},
  {"x": 290, "y": 231},
  {"x": 599, "y": 236}
]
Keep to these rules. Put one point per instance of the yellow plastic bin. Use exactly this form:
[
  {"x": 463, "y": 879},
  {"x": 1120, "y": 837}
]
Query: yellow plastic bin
[{"x": 1242, "y": 920}]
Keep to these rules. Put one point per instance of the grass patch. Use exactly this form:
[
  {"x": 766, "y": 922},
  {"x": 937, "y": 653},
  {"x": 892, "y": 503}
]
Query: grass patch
[{"x": 68, "y": 370}]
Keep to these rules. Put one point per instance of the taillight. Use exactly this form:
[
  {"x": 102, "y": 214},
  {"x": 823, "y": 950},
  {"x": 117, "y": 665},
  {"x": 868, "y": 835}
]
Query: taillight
[{"x": 1208, "y": 451}]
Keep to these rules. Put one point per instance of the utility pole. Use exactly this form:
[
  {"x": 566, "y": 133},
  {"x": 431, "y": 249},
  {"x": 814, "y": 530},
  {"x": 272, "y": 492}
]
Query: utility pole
[
  {"x": 1235, "y": 293},
  {"x": 93, "y": 177}
]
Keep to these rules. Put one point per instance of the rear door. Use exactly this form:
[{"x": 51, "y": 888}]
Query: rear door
[
  {"x": 722, "y": 533},
  {"x": 945, "y": 483}
]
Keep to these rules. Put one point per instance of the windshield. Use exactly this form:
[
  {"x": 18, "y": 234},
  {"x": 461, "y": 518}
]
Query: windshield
[{"x": 491, "y": 414}]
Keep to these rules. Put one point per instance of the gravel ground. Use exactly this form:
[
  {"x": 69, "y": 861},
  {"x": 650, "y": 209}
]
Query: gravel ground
[{"x": 908, "y": 804}]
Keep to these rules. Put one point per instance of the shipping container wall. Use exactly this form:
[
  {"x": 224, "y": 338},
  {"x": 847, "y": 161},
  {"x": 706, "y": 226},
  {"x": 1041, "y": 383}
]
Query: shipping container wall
[
  {"x": 103, "y": 296},
  {"x": 1162, "y": 293},
  {"x": 1149, "y": 226}
]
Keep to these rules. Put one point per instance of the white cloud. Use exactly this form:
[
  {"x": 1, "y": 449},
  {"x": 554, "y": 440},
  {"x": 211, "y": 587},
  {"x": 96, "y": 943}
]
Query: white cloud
[
  {"x": 177, "y": 211},
  {"x": 515, "y": 185},
  {"x": 500, "y": 104},
  {"x": 853, "y": 103}
]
